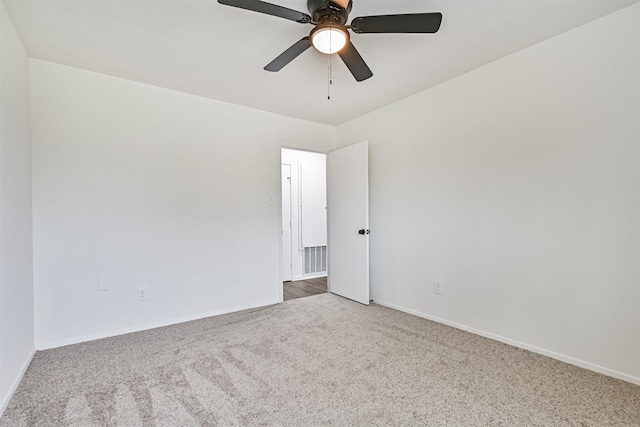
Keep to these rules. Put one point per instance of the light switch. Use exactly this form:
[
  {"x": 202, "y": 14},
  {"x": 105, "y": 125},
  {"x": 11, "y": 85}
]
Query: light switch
[{"x": 103, "y": 284}]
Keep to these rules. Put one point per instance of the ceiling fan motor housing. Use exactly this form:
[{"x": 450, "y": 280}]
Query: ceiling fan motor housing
[{"x": 328, "y": 12}]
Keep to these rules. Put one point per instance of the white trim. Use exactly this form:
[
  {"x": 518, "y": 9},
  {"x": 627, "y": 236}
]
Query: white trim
[
  {"x": 310, "y": 276},
  {"x": 147, "y": 326},
  {"x": 16, "y": 382},
  {"x": 283, "y": 270},
  {"x": 534, "y": 349}
]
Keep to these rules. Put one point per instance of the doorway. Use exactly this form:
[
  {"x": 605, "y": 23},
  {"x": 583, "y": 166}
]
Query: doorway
[{"x": 304, "y": 223}]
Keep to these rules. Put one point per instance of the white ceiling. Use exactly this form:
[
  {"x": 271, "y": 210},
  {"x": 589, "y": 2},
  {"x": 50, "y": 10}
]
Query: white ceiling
[{"x": 216, "y": 51}]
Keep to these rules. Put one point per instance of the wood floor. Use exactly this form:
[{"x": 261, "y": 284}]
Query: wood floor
[{"x": 304, "y": 288}]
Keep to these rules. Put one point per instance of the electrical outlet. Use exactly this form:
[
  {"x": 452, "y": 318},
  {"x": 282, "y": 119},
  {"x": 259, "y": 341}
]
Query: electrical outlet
[
  {"x": 437, "y": 287},
  {"x": 143, "y": 294}
]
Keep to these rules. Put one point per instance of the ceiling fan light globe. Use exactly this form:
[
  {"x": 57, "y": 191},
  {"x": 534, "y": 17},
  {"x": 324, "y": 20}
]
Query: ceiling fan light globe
[{"x": 329, "y": 40}]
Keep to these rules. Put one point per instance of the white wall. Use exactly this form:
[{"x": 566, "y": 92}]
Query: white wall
[
  {"x": 151, "y": 188},
  {"x": 16, "y": 268},
  {"x": 517, "y": 186},
  {"x": 309, "y": 223}
]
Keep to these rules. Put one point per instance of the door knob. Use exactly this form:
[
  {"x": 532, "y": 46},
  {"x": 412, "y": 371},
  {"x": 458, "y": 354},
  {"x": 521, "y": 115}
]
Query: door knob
[{"x": 363, "y": 231}]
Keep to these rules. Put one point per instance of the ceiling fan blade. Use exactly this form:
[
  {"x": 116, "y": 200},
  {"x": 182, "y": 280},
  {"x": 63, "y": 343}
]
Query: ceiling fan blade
[
  {"x": 409, "y": 23},
  {"x": 354, "y": 62},
  {"x": 289, "y": 55},
  {"x": 269, "y": 9}
]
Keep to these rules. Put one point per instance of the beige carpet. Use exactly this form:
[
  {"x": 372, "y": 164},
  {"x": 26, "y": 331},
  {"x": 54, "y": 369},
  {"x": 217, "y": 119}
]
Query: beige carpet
[{"x": 320, "y": 360}]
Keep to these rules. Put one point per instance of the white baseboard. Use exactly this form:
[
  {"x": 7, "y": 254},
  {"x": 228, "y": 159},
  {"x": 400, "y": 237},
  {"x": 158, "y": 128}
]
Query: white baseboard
[
  {"x": 144, "y": 327},
  {"x": 16, "y": 383},
  {"x": 310, "y": 276},
  {"x": 534, "y": 349}
]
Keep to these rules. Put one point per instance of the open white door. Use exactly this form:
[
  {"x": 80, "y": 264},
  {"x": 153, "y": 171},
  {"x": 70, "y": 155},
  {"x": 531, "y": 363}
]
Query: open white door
[{"x": 348, "y": 218}]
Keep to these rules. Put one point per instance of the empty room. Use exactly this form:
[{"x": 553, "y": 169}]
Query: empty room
[{"x": 474, "y": 258}]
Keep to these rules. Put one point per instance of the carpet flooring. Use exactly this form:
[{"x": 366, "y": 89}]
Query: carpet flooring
[{"x": 321, "y": 360}]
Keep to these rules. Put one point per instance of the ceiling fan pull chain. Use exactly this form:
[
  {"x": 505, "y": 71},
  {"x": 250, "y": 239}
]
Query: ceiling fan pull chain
[{"x": 330, "y": 79}]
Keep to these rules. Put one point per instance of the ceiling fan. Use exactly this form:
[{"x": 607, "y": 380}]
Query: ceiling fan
[{"x": 330, "y": 33}]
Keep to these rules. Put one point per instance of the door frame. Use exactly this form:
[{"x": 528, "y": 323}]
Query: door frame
[
  {"x": 279, "y": 292},
  {"x": 283, "y": 270}
]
